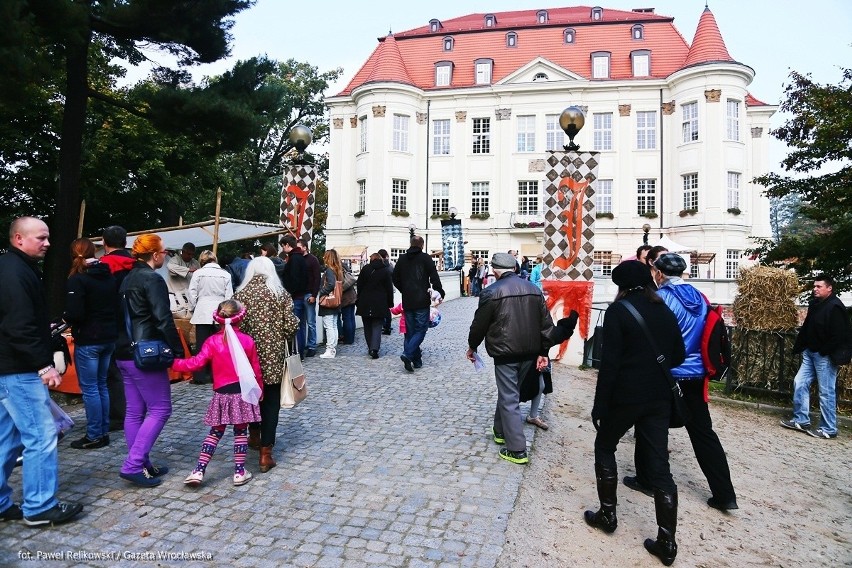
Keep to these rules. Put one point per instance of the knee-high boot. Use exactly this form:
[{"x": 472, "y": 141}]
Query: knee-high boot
[
  {"x": 665, "y": 547},
  {"x": 605, "y": 518}
]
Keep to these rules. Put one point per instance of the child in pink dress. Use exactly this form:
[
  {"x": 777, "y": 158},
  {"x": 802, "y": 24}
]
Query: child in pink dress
[
  {"x": 398, "y": 311},
  {"x": 227, "y": 405}
]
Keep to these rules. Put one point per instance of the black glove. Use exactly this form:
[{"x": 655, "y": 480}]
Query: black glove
[
  {"x": 566, "y": 325},
  {"x": 598, "y": 414}
]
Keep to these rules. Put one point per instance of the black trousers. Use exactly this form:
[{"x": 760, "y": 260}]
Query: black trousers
[
  {"x": 373, "y": 332},
  {"x": 117, "y": 401},
  {"x": 270, "y": 409},
  {"x": 652, "y": 429},
  {"x": 202, "y": 332},
  {"x": 705, "y": 443}
]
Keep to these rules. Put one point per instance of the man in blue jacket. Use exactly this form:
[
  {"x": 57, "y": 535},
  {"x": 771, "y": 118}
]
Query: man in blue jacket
[
  {"x": 26, "y": 370},
  {"x": 690, "y": 309}
]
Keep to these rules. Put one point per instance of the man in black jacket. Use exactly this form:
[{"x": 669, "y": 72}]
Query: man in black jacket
[
  {"x": 296, "y": 282},
  {"x": 513, "y": 320},
  {"x": 26, "y": 370},
  {"x": 413, "y": 273},
  {"x": 312, "y": 267},
  {"x": 824, "y": 342}
]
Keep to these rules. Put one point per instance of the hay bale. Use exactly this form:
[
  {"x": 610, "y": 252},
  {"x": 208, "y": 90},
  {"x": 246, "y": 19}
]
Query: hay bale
[{"x": 766, "y": 299}]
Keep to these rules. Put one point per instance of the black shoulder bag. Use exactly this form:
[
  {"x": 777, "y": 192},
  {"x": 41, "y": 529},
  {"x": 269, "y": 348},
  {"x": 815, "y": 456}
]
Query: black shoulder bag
[
  {"x": 680, "y": 413},
  {"x": 148, "y": 354}
]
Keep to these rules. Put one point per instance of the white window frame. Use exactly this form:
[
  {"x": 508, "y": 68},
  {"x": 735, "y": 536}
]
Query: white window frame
[
  {"x": 602, "y": 125},
  {"x": 480, "y": 194},
  {"x": 600, "y": 65},
  {"x": 483, "y": 72},
  {"x": 512, "y": 39},
  {"x": 641, "y": 61},
  {"x": 732, "y": 263},
  {"x": 646, "y": 130},
  {"x": 569, "y": 36},
  {"x": 733, "y": 120},
  {"x": 481, "y": 136},
  {"x": 555, "y": 137},
  {"x": 528, "y": 197},
  {"x": 441, "y": 137},
  {"x": 689, "y": 112},
  {"x": 395, "y": 253},
  {"x": 362, "y": 126},
  {"x": 690, "y": 191},
  {"x": 602, "y": 263},
  {"x": 440, "y": 198},
  {"x": 646, "y": 195},
  {"x": 603, "y": 196},
  {"x": 362, "y": 195},
  {"x": 448, "y": 43},
  {"x": 526, "y": 133},
  {"x": 400, "y": 132},
  {"x": 443, "y": 75},
  {"x": 399, "y": 195},
  {"x": 734, "y": 179}
]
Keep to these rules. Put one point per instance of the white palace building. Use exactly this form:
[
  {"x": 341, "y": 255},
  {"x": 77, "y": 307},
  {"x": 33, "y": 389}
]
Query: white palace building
[{"x": 457, "y": 115}]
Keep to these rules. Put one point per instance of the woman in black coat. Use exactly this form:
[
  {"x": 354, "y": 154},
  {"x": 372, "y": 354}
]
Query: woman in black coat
[
  {"x": 632, "y": 390},
  {"x": 375, "y": 298}
]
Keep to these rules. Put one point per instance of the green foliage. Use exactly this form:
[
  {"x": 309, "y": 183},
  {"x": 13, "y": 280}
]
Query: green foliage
[
  {"x": 480, "y": 216},
  {"x": 820, "y": 135}
]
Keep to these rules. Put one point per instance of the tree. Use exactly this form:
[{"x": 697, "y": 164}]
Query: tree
[
  {"x": 195, "y": 31},
  {"x": 820, "y": 135}
]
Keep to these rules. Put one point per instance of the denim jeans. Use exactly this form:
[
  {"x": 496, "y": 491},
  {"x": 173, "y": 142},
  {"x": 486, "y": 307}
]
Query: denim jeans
[
  {"x": 92, "y": 366},
  {"x": 347, "y": 318},
  {"x": 25, "y": 420},
  {"x": 311, "y": 323},
  {"x": 149, "y": 405},
  {"x": 416, "y": 325},
  {"x": 299, "y": 310},
  {"x": 820, "y": 367}
]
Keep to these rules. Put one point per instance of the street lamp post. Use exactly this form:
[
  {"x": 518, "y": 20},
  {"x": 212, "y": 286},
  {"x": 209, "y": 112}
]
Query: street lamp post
[
  {"x": 571, "y": 121},
  {"x": 646, "y": 228},
  {"x": 301, "y": 137},
  {"x": 411, "y": 229}
]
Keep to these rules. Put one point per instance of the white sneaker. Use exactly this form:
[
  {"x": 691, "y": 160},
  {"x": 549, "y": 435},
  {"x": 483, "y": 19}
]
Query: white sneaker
[
  {"x": 242, "y": 479},
  {"x": 330, "y": 352},
  {"x": 194, "y": 479}
]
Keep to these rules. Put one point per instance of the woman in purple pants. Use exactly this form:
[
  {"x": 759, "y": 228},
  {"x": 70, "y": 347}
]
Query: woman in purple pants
[{"x": 149, "y": 404}]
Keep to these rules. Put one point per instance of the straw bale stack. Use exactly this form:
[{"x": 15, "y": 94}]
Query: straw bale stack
[{"x": 766, "y": 299}]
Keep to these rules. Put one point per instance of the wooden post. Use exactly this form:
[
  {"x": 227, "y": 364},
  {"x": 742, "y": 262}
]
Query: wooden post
[
  {"x": 82, "y": 216},
  {"x": 216, "y": 223}
]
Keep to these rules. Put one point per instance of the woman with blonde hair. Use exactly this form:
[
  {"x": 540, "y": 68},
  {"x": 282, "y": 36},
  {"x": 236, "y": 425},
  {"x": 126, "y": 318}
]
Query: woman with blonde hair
[
  {"x": 145, "y": 298},
  {"x": 90, "y": 310},
  {"x": 270, "y": 321},
  {"x": 210, "y": 285},
  {"x": 332, "y": 273}
]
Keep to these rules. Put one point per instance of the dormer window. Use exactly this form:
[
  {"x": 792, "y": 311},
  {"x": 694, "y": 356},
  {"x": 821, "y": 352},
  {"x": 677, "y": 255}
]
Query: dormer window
[
  {"x": 483, "y": 71},
  {"x": 443, "y": 73},
  {"x": 600, "y": 65},
  {"x": 597, "y": 14},
  {"x": 638, "y": 31},
  {"x": 569, "y": 35},
  {"x": 540, "y": 77},
  {"x": 435, "y": 25},
  {"x": 490, "y": 20},
  {"x": 541, "y": 16},
  {"x": 448, "y": 43},
  {"x": 641, "y": 59},
  {"x": 511, "y": 39}
]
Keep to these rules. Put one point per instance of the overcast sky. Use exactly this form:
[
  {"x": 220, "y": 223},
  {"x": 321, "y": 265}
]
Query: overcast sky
[{"x": 771, "y": 36}]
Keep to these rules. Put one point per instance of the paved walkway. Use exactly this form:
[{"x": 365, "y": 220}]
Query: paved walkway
[{"x": 378, "y": 467}]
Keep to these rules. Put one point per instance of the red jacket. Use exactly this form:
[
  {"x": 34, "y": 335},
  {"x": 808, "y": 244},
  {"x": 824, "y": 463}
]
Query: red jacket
[{"x": 215, "y": 352}]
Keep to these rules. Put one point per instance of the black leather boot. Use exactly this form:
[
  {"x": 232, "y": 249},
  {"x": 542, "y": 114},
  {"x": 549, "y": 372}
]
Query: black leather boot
[
  {"x": 665, "y": 547},
  {"x": 605, "y": 518}
]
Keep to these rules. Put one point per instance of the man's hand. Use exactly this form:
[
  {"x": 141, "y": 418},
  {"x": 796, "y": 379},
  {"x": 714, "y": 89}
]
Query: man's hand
[
  {"x": 312, "y": 300},
  {"x": 469, "y": 355},
  {"x": 52, "y": 378},
  {"x": 541, "y": 363}
]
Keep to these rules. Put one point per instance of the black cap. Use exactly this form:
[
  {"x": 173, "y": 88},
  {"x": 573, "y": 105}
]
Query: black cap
[{"x": 631, "y": 274}]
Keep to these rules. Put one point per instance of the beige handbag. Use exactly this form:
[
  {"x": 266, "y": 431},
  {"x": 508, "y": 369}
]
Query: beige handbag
[{"x": 294, "y": 386}]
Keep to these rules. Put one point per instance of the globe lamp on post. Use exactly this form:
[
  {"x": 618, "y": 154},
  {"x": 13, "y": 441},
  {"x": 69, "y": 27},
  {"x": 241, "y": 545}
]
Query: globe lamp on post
[{"x": 571, "y": 121}]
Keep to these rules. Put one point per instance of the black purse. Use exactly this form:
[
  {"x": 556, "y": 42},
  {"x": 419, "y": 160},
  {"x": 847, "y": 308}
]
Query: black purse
[
  {"x": 148, "y": 354},
  {"x": 680, "y": 413}
]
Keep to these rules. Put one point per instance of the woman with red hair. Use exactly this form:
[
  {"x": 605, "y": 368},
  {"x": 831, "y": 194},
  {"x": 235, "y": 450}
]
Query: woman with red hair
[{"x": 145, "y": 298}]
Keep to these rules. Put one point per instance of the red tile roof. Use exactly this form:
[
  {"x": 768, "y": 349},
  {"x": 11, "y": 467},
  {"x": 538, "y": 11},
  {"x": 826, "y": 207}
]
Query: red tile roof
[
  {"x": 753, "y": 102},
  {"x": 410, "y": 56},
  {"x": 708, "y": 45}
]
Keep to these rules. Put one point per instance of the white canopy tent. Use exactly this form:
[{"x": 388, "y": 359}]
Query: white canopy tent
[
  {"x": 201, "y": 234},
  {"x": 685, "y": 252}
]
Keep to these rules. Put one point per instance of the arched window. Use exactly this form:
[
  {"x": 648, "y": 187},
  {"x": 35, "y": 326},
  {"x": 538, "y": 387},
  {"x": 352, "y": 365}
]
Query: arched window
[
  {"x": 540, "y": 77},
  {"x": 511, "y": 39},
  {"x": 597, "y": 14},
  {"x": 570, "y": 35},
  {"x": 541, "y": 16},
  {"x": 448, "y": 43},
  {"x": 638, "y": 32},
  {"x": 490, "y": 20},
  {"x": 435, "y": 25}
]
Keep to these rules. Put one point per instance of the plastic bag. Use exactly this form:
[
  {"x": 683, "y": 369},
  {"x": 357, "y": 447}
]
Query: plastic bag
[{"x": 62, "y": 420}]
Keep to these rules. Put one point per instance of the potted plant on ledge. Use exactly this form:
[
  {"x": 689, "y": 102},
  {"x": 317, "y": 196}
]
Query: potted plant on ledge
[
  {"x": 399, "y": 213},
  {"x": 606, "y": 215},
  {"x": 685, "y": 212},
  {"x": 480, "y": 216},
  {"x": 358, "y": 214},
  {"x": 734, "y": 211},
  {"x": 649, "y": 215}
]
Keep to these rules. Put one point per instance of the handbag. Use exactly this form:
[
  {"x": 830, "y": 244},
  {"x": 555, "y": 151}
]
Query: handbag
[
  {"x": 332, "y": 299},
  {"x": 294, "y": 385},
  {"x": 148, "y": 354},
  {"x": 680, "y": 413}
]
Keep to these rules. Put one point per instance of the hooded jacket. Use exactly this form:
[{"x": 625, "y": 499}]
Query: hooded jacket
[
  {"x": 375, "y": 290},
  {"x": 90, "y": 300},
  {"x": 412, "y": 276},
  {"x": 690, "y": 309}
]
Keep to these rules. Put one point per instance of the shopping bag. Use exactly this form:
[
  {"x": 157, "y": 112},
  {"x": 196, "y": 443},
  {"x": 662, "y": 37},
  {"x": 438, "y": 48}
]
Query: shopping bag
[{"x": 294, "y": 386}]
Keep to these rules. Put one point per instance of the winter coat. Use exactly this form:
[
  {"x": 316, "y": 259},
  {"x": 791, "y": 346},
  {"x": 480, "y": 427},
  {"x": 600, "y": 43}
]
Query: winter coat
[
  {"x": 90, "y": 300},
  {"x": 413, "y": 275},
  {"x": 295, "y": 275},
  {"x": 375, "y": 290},
  {"x": 690, "y": 309},
  {"x": 825, "y": 329},
  {"x": 209, "y": 287},
  {"x": 25, "y": 345},
  {"x": 216, "y": 352}
]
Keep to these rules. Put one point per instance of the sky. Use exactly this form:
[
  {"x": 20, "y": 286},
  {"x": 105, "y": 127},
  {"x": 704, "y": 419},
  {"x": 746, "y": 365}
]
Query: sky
[{"x": 771, "y": 36}]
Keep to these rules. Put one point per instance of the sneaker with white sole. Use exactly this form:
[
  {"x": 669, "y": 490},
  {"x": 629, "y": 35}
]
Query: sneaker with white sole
[
  {"x": 821, "y": 434},
  {"x": 793, "y": 425},
  {"x": 242, "y": 478},
  {"x": 194, "y": 479}
]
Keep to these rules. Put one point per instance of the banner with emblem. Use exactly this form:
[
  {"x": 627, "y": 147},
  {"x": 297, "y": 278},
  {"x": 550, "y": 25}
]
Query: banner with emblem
[
  {"x": 452, "y": 242},
  {"x": 297, "y": 199}
]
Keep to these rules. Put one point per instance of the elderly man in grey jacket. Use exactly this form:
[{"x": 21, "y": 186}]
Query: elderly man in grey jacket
[{"x": 513, "y": 320}]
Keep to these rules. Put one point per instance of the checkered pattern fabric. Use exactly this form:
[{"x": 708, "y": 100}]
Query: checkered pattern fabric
[
  {"x": 569, "y": 227},
  {"x": 297, "y": 199}
]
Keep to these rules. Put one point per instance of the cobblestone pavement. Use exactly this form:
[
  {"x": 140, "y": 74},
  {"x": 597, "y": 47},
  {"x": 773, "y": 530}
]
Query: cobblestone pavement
[{"x": 379, "y": 467}]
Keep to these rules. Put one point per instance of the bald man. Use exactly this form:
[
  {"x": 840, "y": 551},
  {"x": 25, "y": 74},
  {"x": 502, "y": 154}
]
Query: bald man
[{"x": 26, "y": 370}]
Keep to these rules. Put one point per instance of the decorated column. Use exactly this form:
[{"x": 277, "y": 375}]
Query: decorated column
[
  {"x": 298, "y": 191},
  {"x": 569, "y": 228}
]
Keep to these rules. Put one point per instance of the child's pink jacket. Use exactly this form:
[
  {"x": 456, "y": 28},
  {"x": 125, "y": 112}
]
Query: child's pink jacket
[
  {"x": 216, "y": 353},
  {"x": 398, "y": 311}
]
